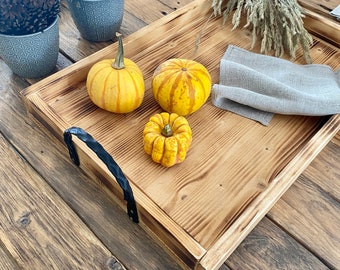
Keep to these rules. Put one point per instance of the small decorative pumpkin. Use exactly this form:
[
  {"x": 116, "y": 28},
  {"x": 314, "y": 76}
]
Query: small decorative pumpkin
[
  {"x": 116, "y": 85},
  {"x": 167, "y": 138},
  {"x": 181, "y": 86}
]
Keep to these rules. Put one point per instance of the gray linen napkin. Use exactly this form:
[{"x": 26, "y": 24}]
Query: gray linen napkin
[
  {"x": 256, "y": 86},
  {"x": 336, "y": 12}
]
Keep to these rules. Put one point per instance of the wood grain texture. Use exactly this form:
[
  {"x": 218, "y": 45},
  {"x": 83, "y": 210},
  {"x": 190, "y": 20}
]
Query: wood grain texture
[
  {"x": 325, "y": 170},
  {"x": 47, "y": 156},
  {"x": 266, "y": 247},
  {"x": 7, "y": 261},
  {"x": 319, "y": 22},
  {"x": 326, "y": 29},
  {"x": 312, "y": 206},
  {"x": 322, "y": 7},
  {"x": 149, "y": 11},
  {"x": 320, "y": 216},
  {"x": 266, "y": 199},
  {"x": 184, "y": 209},
  {"x": 27, "y": 222}
]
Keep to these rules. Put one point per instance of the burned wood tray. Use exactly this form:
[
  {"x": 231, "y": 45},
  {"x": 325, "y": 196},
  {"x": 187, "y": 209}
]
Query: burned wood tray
[{"x": 236, "y": 169}]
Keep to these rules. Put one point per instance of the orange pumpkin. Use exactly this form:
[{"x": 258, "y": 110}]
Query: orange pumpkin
[
  {"x": 116, "y": 85},
  {"x": 181, "y": 86}
]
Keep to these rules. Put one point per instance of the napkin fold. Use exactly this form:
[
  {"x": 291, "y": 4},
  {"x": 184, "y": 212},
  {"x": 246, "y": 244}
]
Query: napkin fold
[
  {"x": 336, "y": 12},
  {"x": 257, "y": 86}
]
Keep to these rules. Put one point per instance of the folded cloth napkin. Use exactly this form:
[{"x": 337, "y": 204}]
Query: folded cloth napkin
[
  {"x": 256, "y": 86},
  {"x": 336, "y": 12}
]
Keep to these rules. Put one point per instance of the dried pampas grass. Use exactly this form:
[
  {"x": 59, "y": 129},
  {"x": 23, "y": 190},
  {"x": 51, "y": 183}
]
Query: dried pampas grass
[{"x": 279, "y": 24}]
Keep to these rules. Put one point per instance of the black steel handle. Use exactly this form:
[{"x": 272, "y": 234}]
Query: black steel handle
[{"x": 109, "y": 162}]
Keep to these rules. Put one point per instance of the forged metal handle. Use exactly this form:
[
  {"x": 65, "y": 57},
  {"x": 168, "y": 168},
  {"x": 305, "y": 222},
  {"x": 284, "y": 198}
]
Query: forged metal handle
[{"x": 108, "y": 161}]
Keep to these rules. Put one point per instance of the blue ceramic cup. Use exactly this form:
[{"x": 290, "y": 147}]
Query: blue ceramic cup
[
  {"x": 97, "y": 20},
  {"x": 33, "y": 55}
]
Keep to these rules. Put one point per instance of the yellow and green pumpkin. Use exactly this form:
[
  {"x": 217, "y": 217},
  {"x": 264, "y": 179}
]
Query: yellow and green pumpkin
[
  {"x": 181, "y": 86},
  {"x": 116, "y": 85},
  {"x": 167, "y": 138}
]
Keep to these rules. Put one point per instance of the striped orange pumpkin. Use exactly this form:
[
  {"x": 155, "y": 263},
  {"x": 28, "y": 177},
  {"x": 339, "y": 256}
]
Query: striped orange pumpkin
[
  {"x": 116, "y": 85},
  {"x": 181, "y": 86}
]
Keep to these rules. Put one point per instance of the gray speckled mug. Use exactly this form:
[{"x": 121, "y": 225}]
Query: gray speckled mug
[
  {"x": 34, "y": 55},
  {"x": 97, "y": 20}
]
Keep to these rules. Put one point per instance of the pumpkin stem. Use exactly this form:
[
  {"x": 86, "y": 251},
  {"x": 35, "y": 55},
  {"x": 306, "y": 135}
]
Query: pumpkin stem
[
  {"x": 167, "y": 131},
  {"x": 119, "y": 61}
]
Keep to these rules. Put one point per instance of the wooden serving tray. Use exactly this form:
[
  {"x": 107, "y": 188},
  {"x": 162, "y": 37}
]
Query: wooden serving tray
[{"x": 236, "y": 169}]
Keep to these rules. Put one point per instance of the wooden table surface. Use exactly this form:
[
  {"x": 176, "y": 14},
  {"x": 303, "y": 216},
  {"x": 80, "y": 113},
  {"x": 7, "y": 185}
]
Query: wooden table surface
[{"x": 52, "y": 216}]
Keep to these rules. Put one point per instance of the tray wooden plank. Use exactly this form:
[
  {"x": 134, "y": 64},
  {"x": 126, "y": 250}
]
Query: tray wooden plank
[{"x": 236, "y": 169}]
